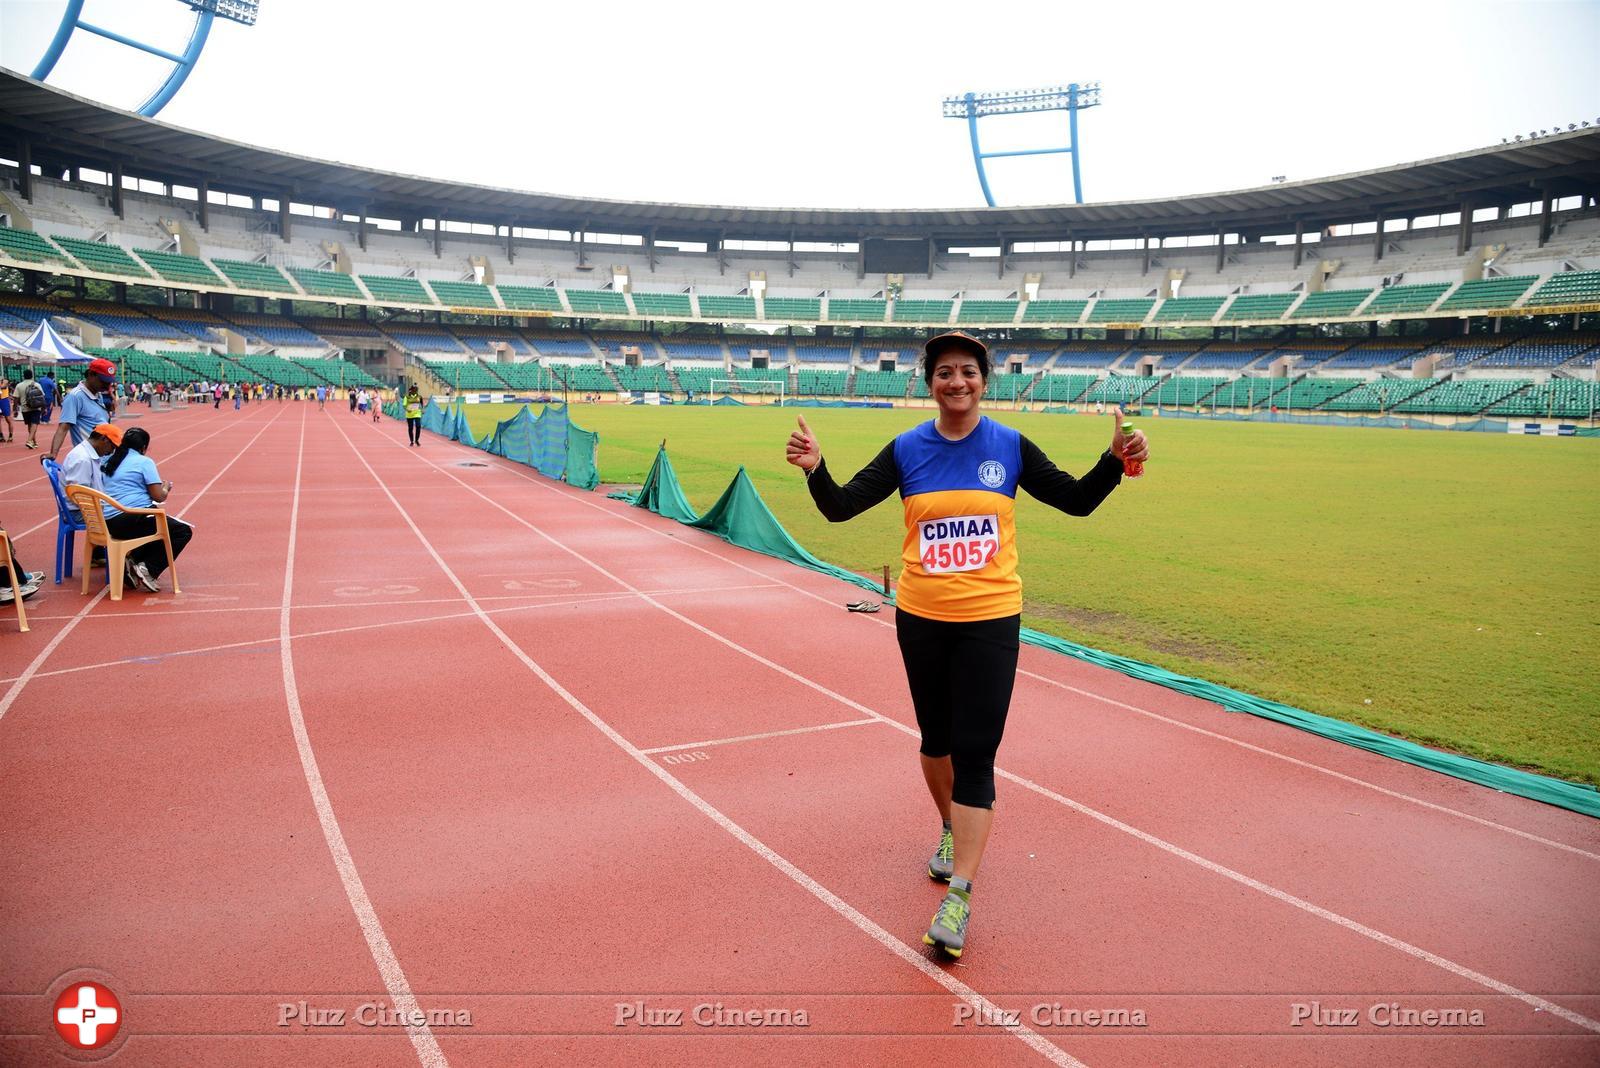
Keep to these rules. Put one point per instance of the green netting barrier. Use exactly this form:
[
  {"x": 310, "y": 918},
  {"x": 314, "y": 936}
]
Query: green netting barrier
[
  {"x": 740, "y": 517},
  {"x": 549, "y": 442}
]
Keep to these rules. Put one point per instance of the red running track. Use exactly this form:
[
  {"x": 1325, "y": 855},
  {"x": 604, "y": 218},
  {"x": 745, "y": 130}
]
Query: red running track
[{"x": 428, "y": 733}]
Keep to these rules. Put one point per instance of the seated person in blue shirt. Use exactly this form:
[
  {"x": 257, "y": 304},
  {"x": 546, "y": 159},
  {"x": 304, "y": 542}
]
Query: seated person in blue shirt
[{"x": 131, "y": 479}]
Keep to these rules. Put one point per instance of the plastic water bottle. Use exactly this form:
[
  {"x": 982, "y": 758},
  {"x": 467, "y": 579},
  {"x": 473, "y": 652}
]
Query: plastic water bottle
[{"x": 1131, "y": 468}]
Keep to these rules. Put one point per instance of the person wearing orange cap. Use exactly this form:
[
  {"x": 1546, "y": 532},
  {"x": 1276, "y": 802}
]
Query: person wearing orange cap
[
  {"x": 81, "y": 465},
  {"x": 959, "y": 602},
  {"x": 87, "y": 405}
]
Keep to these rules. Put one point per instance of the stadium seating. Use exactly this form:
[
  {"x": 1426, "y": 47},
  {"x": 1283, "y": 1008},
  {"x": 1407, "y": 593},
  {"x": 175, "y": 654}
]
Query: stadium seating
[
  {"x": 104, "y": 258},
  {"x": 1184, "y": 390},
  {"x": 140, "y": 367},
  {"x": 1369, "y": 355},
  {"x": 692, "y": 350},
  {"x": 1090, "y": 354},
  {"x": 857, "y": 309},
  {"x": 822, "y": 350},
  {"x": 1255, "y": 307},
  {"x": 1302, "y": 393},
  {"x": 1568, "y": 287},
  {"x": 882, "y": 383},
  {"x": 1330, "y": 304},
  {"x": 463, "y": 294},
  {"x": 987, "y": 311},
  {"x": 584, "y": 377},
  {"x": 1560, "y": 398},
  {"x": 119, "y": 320},
  {"x": 203, "y": 365},
  {"x": 1226, "y": 355},
  {"x": 529, "y": 375},
  {"x": 1054, "y": 311},
  {"x": 1379, "y": 395},
  {"x": 175, "y": 267},
  {"x": 605, "y": 302},
  {"x": 526, "y": 298},
  {"x": 1122, "y": 389},
  {"x": 568, "y": 345},
  {"x": 1060, "y": 389},
  {"x": 650, "y": 377},
  {"x": 280, "y": 372},
  {"x": 275, "y": 330},
  {"x": 399, "y": 290},
  {"x": 923, "y": 311},
  {"x": 420, "y": 337},
  {"x": 339, "y": 372},
  {"x": 464, "y": 374},
  {"x": 29, "y": 246},
  {"x": 1538, "y": 351},
  {"x": 1121, "y": 310},
  {"x": 1464, "y": 397},
  {"x": 799, "y": 308},
  {"x": 260, "y": 276},
  {"x": 1189, "y": 309},
  {"x": 327, "y": 283},
  {"x": 1246, "y": 393},
  {"x": 697, "y": 380},
  {"x": 1488, "y": 292},
  {"x": 649, "y": 304},
  {"x": 1401, "y": 300},
  {"x": 821, "y": 383},
  {"x": 712, "y": 305},
  {"x": 353, "y": 328}
]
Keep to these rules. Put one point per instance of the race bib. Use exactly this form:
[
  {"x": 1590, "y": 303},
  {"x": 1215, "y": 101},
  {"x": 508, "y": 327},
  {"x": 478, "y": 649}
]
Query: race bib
[{"x": 959, "y": 543}]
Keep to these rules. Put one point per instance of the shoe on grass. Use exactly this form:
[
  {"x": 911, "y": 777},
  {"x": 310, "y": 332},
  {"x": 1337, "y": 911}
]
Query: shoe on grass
[
  {"x": 942, "y": 864},
  {"x": 949, "y": 928}
]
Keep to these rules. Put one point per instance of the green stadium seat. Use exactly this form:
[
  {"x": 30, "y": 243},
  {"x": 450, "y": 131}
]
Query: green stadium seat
[
  {"x": 260, "y": 276},
  {"x": 882, "y": 383},
  {"x": 674, "y": 305},
  {"x": 1331, "y": 304},
  {"x": 857, "y": 309},
  {"x": 1559, "y": 398},
  {"x": 1257, "y": 307},
  {"x": 821, "y": 383},
  {"x": 1185, "y": 391},
  {"x": 388, "y": 288},
  {"x": 463, "y": 294},
  {"x": 530, "y": 298},
  {"x": 1060, "y": 389},
  {"x": 1400, "y": 300},
  {"x": 1489, "y": 292},
  {"x": 465, "y": 374},
  {"x": 1568, "y": 287},
  {"x": 327, "y": 283},
  {"x": 1122, "y": 389},
  {"x": 1054, "y": 311},
  {"x": 1189, "y": 309},
  {"x": 936, "y": 312},
  {"x": 1306, "y": 393},
  {"x": 1121, "y": 310},
  {"x": 603, "y": 302},
  {"x": 178, "y": 268},
  {"x": 1464, "y": 397},
  {"x": 105, "y": 259},
  {"x": 29, "y": 246},
  {"x": 987, "y": 311},
  {"x": 1380, "y": 395},
  {"x": 713, "y": 306},
  {"x": 807, "y": 309}
]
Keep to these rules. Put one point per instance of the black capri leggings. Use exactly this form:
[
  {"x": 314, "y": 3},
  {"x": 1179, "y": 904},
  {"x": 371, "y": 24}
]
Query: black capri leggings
[
  {"x": 414, "y": 430},
  {"x": 961, "y": 675}
]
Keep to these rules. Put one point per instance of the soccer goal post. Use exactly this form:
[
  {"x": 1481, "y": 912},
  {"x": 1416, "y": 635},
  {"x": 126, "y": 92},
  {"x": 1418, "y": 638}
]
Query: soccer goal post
[{"x": 742, "y": 388}]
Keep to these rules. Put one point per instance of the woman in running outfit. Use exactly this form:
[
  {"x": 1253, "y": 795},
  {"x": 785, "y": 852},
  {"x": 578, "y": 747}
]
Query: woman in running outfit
[{"x": 959, "y": 600}]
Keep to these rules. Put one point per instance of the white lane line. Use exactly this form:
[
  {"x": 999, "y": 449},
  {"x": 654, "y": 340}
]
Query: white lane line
[
  {"x": 985, "y": 1008},
  {"x": 35, "y": 455},
  {"x": 394, "y": 977},
  {"x": 1310, "y": 766},
  {"x": 759, "y": 737},
  {"x": 572, "y": 495},
  {"x": 33, "y": 668},
  {"x": 1110, "y": 821}
]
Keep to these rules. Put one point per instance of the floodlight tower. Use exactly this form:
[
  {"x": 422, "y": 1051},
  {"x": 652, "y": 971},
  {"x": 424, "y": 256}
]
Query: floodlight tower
[
  {"x": 242, "y": 11},
  {"x": 1070, "y": 98}
]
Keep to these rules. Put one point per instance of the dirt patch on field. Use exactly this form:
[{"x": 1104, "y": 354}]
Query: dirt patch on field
[{"x": 1127, "y": 629}]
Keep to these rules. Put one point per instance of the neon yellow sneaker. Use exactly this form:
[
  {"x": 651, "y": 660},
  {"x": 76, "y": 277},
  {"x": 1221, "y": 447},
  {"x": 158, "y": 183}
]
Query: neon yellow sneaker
[
  {"x": 949, "y": 929},
  {"x": 942, "y": 864}
]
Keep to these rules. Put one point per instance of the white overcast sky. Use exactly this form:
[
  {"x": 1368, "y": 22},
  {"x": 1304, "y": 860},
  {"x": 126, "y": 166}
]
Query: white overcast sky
[{"x": 824, "y": 104}]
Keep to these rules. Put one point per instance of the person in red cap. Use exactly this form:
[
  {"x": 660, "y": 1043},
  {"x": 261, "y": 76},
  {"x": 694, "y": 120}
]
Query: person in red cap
[
  {"x": 87, "y": 405},
  {"x": 959, "y": 603}
]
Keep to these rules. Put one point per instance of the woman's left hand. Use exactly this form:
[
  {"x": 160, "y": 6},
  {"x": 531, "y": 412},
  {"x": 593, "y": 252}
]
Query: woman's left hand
[{"x": 1127, "y": 446}]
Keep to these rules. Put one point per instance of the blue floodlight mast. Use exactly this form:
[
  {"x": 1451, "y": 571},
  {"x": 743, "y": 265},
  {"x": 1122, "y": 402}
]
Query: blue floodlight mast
[
  {"x": 1069, "y": 98},
  {"x": 243, "y": 11}
]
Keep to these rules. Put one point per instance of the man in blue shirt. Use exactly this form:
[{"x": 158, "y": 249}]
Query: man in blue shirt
[
  {"x": 88, "y": 404},
  {"x": 48, "y": 384}
]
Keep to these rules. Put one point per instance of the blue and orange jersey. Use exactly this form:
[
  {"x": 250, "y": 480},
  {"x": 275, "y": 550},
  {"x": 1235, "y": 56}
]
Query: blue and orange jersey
[{"x": 959, "y": 556}]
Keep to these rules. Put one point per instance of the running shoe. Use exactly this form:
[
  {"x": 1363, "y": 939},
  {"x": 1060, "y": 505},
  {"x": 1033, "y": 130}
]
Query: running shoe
[
  {"x": 942, "y": 864},
  {"x": 949, "y": 928},
  {"x": 146, "y": 581}
]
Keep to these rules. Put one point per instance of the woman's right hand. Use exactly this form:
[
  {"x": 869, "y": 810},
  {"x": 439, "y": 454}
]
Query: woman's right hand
[{"x": 802, "y": 450}]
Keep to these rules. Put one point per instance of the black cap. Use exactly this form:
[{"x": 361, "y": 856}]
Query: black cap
[{"x": 954, "y": 339}]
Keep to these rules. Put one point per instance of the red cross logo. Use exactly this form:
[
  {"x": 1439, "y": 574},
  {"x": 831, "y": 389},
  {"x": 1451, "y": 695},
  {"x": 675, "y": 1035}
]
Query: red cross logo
[{"x": 87, "y": 1015}]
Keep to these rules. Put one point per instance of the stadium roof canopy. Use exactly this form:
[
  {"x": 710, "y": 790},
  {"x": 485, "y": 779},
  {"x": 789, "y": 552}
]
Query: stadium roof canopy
[{"x": 61, "y": 130}]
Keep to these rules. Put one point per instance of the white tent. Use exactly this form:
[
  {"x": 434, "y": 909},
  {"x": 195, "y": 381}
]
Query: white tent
[
  {"x": 45, "y": 339},
  {"x": 18, "y": 352}
]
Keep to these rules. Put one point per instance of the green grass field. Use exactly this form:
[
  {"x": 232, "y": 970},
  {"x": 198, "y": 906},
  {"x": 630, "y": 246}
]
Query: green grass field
[{"x": 1438, "y": 586}]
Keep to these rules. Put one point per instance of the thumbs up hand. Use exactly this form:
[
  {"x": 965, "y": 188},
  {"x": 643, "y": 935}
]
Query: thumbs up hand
[{"x": 802, "y": 450}]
